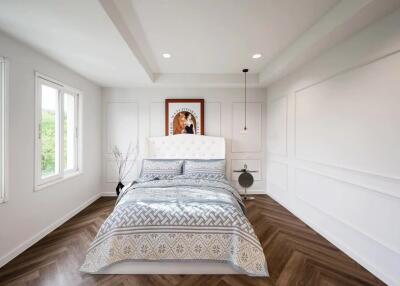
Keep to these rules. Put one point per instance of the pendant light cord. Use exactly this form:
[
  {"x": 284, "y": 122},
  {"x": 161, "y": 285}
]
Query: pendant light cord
[{"x": 245, "y": 101}]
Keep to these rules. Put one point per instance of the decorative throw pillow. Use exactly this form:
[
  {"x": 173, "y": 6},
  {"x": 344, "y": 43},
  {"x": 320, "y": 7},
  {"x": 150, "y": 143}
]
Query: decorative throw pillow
[
  {"x": 160, "y": 169},
  {"x": 204, "y": 169}
]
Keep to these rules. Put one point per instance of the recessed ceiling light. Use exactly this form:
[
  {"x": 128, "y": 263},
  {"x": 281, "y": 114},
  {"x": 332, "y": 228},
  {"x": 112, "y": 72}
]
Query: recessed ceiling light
[
  {"x": 257, "y": 56},
  {"x": 166, "y": 55}
]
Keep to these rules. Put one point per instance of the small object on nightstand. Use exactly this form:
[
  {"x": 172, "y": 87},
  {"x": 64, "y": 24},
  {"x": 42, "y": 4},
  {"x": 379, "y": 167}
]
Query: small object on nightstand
[{"x": 245, "y": 180}]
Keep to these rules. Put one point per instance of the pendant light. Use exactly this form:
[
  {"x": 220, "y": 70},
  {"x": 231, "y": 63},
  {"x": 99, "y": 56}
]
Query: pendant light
[{"x": 245, "y": 99}]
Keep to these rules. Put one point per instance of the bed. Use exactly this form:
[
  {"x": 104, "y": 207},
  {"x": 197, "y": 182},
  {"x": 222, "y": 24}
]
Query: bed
[{"x": 170, "y": 223}]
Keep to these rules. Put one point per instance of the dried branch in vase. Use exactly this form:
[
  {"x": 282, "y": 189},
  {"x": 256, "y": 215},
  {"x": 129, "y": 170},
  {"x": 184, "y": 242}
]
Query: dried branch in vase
[{"x": 125, "y": 163}]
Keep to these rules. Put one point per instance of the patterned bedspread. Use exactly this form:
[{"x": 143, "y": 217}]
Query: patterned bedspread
[{"x": 178, "y": 220}]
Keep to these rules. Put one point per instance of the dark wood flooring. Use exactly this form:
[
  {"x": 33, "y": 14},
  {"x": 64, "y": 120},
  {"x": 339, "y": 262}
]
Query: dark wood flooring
[{"x": 296, "y": 255}]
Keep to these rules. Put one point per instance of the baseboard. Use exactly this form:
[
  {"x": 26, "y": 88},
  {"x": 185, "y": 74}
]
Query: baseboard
[
  {"x": 28, "y": 243},
  {"x": 345, "y": 248},
  {"x": 253, "y": 192},
  {"x": 108, "y": 194}
]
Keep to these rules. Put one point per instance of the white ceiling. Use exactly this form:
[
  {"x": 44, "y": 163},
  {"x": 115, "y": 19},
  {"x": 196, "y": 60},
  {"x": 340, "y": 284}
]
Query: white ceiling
[
  {"x": 211, "y": 36},
  {"x": 119, "y": 43},
  {"x": 76, "y": 33}
]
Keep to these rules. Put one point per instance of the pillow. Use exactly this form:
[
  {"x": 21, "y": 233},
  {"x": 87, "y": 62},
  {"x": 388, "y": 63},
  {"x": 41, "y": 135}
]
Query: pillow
[
  {"x": 204, "y": 169},
  {"x": 160, "y": 169}
]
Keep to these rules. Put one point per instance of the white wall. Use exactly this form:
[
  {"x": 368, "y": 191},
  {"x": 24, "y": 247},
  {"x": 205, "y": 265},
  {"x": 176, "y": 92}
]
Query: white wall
[
  {"x": 333, "y": 146},
  {"x": 29, "y": 214},
  {"x": 131, "y": 115}
]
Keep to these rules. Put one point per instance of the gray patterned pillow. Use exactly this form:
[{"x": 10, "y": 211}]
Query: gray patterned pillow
[
  {"x": 160, "y": 169},
  {"x": 204, "y": 169}
]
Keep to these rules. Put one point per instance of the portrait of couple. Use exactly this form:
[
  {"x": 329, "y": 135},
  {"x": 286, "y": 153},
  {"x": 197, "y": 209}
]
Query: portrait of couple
[
  {"x": 184, "y": 123},
  {"x": 184, "y": 116}
]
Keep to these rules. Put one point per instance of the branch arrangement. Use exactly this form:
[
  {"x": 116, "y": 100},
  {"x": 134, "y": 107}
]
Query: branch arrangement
[{"x": 122, "y": 161}]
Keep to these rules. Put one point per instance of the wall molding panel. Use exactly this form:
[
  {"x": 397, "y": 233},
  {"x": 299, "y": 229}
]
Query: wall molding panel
[
  {"x": 390, "y": 189},
  {"x": 212, "y": 120},
  {"x": 382, "y": 254},
  {"x": 275, "y": 174},
  {"x": 145, "y": 108},
  {"x": 250, "y": 141},
  {"x": 388, "y": 58},
  {"x": 370, "y": 61},
  {"x": 157, "y": 127},
  {"x": 274, "y": 126},
  {"x": 335, "y": 216},
  {"x": 342, "y": 138},
  {"x": 122, "y": 124}
]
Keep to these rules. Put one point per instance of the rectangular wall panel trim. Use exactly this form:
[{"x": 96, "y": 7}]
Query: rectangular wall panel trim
[
  {"x": 235, "y": 127},
  {"x": 269, "y": 108},
  {"x": 207, "y": 118},
  {"x": 153, "y": 125},
  {"x": 335, "y": 240},
  {"x": 323, "y": 210},
  {"x": 218, "y": 115},
  {"x": 381, "y": 191},
  {"x": 271, "y": 175},
  {"x": 353, "y": 169},
  {"x": 135, "y": 112},
  {"x": 348, "y": 70}
]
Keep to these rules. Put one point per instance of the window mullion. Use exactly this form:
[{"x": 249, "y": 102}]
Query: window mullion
[
  {"x": 39, "y": 132},
  {"x": 3, "y": 139},
  {"x": 76, "y": 125},
  {"x": 61, "y": 132}
]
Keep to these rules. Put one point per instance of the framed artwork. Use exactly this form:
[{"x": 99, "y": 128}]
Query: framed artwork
[{"x": 184, "y": 116}]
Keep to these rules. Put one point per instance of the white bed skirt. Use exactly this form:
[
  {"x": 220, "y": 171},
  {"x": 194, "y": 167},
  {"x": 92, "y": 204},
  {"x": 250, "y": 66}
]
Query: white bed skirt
[{"x": 167, "y": 267}]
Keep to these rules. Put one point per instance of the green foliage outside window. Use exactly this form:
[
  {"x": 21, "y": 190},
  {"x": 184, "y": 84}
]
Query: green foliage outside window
[{"x": 49, "y": 142}]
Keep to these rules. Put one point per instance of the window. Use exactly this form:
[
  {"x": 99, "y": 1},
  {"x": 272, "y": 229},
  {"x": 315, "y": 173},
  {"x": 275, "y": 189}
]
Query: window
[
  {"x": 3, "y": 131},
  {"x": 56, "y": 131}
]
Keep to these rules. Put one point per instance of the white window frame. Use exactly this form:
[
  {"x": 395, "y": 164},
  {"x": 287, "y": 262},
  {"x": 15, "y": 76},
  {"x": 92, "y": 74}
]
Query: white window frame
[
  {"x": 4, "y": 161},
  {"x": 62, "y": 174}
]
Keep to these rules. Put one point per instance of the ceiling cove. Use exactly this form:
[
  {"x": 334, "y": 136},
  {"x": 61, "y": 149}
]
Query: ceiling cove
[{"x": 127, "y": 43}]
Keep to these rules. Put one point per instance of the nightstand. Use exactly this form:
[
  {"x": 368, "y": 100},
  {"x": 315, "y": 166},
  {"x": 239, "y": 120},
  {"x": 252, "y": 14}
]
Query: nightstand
[{"x": 245, "y": 180}]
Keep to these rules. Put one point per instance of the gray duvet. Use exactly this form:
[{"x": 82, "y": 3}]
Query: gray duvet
[{"x": 177, "y": 220}]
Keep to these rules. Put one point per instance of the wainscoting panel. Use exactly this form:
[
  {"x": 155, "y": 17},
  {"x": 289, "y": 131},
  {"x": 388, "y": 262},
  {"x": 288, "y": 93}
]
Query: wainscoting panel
[
  {"x": 343, "y": 137},
  {"x": 353, "y": 205},
  {"x": 137, "y": 113},
  {"x": 251, "y": 140},
  {"x": 338, "y": 122},
  {"x": 121, "y": 124},
  {"x": 277, "y": 126},
  {"x": 277, "y": 179},
  {"x": 212, "y": 118},
  {"x": 157, "y": 119}
]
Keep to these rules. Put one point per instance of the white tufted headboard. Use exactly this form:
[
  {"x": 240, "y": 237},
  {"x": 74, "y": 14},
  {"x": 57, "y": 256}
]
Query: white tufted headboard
[{"x": 185, "y": 146}]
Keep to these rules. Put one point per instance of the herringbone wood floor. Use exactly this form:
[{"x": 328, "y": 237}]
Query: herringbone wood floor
[{"x": 296, "y": 255}]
